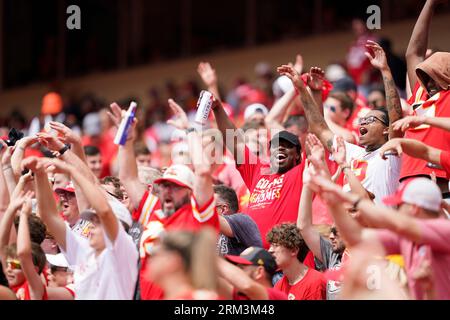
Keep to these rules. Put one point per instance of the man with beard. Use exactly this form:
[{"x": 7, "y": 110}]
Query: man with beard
[{"x": 184, "y": 201}]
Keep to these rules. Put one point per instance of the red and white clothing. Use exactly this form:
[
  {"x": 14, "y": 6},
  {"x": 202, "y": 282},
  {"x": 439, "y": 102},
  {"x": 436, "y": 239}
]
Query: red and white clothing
[
  {"x": 310, "y": 287},
  {"x": 356, "y": 60},
  {"x": 423, "y": 105},
  {"x": 274, "y": 197},
  {"x": 189, "y": 217},
  {"x": 381, "y": 177},
  {"x": 434, "y": 247}
]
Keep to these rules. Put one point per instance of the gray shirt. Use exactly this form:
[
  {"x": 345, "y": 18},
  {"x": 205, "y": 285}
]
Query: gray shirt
[
  {"x": 330, "y": 261},
  {"x": 246, "y": 234}
]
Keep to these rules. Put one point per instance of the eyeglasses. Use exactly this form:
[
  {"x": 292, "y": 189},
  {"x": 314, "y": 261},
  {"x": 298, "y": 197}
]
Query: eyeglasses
[
  {"x": 54, "y": 269},
  {"x": 14, "y": 264},
  {"x": 369, "y": 120}
]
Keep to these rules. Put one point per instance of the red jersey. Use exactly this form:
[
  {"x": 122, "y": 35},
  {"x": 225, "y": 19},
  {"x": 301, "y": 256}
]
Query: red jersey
[
  {"x": 273, "y": 294},
  {"x": 310, "y": 287},
  {"x": 23, "y": 292},
  {"x": 445, "y": 162},
  {"x": 189, "y": 217},
  {"x": 423, "y": 105},
  {"x": 274, "y": 197}
]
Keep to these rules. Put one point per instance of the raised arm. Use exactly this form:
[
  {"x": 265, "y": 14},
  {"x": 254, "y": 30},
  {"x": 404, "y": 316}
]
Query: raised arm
[
  {"x": 19, "y": 152},
  {"x": 417, "y": 47},
  {"x": 339, "y": 155},
  {"x": 241, "y": 281},
  {"x": 94, "y": 195},
  {"x": 128, "y": 170},
  {"x": 276, "y": 114},
  {"x": 413, "y": 148},
  {"x": 4, "y": 192},
  {"x": 6, "y": 224},
  {"x": 7, "y": 169},
  {"x": 316, "y": 121},
  {"x": 68, "y": 136},
  {"x": 410, "y": 122},
  {"x": 394, "y": 107},
  {"x": 24, "y": 254},
  {"x": 46, "y": 202},
  {"x": 209, "y": 77},
  {"x": 304, "y": 219},
  {"x": 203, "y": 167},
  {"x": 236, "y": 145},
  {"x": 332, "y": 194}
]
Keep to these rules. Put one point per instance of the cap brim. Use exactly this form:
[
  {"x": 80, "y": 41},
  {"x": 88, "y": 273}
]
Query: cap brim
[
  {"x": 238, "y": 260},
  {"x": 62, "y": 190},
  {"x": 178, "y": 183},
  {"x": 393, "y": 200}
]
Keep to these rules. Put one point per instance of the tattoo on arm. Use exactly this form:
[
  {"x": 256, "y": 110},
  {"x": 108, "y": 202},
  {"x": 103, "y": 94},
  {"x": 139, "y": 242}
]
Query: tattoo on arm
[{"x": 392, "y": 99}]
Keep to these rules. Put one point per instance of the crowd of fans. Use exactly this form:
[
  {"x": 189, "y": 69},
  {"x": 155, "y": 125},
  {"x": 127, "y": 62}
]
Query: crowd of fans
[{"x": 316, "y": 184}]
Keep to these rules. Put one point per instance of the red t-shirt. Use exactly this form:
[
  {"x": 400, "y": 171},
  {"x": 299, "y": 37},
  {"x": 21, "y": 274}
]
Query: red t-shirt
[
  {"x": 189, "y": 217},
  {"x": 274, "y": 197},
  {"x": 423, "y": 105},
  {"x": 445, "y": 162},
  {"x": 311, "y": 287},
  {"x": 273, "y": 294}
]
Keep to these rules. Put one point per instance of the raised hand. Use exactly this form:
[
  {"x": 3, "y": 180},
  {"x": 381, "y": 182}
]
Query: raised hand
[
  {"x": 25, "y": 142},
  {"x": 180, "y": 119},
  {"x": 207, "y": 73},
  {"x": 67, "y": 135},
  {"x": 408, "y": 122},
  {"x": 32, "y": 163},
  {"x": 50, "y": 142},
  {"x": 339, "y": 153},
  {"x": 6, "y": 153},
  {"x": 18, "y": 201},
  {"x": 393, "y": 146},
  {"x": 316, "y": 78},
  {"x": 378, "y": 59},
  {"x": 27, "y": 203},
  {"x": 57, "y": 166},
  {"x": 116, "y": 115},
  {"x": 291, "y": 73}
]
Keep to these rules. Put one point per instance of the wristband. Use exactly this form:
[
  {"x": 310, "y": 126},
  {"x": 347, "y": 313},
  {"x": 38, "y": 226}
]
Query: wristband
[
  {"x": 345, "y": 167},
  {"x": 64, "y": 149},
  {"x": 189, "y": 130}
]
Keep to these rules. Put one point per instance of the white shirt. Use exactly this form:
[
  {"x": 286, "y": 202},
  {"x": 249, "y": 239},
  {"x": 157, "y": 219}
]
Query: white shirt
[
  {"x": 110, "y": 276},
  {"x": 381, "y": 177}
]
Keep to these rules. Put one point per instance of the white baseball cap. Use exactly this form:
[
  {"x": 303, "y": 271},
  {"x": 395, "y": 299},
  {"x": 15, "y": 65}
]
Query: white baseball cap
[
  {"x": 253, "y": 108},
  {"x": 178, "y": 174},
  {"x": 57, "y": 260},
  {"x": 118, "y": 208},
  {"x": 421, "y": 192}
]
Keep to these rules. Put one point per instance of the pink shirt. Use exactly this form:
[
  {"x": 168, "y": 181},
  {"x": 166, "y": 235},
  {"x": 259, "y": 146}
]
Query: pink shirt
[{"x": 435, "y": 245}]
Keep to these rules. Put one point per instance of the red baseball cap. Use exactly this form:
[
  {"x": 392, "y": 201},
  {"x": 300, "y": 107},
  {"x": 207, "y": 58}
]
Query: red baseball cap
[{"x": 68, "y": 188}]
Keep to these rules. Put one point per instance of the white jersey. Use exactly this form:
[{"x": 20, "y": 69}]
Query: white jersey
[{"x": 381, "y": 177}]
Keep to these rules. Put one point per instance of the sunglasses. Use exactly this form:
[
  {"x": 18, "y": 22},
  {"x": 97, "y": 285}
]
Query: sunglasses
[
  {"x": 14, "y": 264},
  {"x": 369, "y": 120}
]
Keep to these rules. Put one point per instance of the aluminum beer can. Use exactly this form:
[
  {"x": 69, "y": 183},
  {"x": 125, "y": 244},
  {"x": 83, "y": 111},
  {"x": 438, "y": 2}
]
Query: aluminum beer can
[{"x": 204, "y": 105}]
